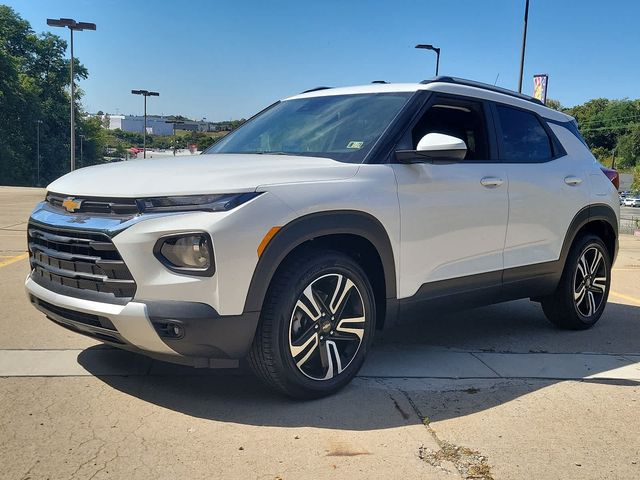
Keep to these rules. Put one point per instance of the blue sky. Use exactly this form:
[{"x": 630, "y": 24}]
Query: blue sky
[{"x": 228, "y": 59}]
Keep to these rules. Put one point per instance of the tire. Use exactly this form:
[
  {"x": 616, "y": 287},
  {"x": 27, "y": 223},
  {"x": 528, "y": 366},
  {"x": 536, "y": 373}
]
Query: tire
[
  {"x": 580, "y": 297},
  {"x": 303, "y": 346}
]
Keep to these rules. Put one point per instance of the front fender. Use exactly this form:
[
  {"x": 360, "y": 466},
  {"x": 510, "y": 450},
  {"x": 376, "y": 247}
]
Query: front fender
[{"x": 317, "y": 225}]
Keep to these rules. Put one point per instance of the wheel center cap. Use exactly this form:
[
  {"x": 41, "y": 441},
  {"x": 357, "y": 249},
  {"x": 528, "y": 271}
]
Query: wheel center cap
[{"x": 326, "y": 326}]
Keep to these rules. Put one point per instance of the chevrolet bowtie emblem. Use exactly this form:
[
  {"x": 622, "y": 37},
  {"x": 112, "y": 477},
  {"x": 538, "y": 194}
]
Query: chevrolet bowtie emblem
[{"x": 71, "y": 205}]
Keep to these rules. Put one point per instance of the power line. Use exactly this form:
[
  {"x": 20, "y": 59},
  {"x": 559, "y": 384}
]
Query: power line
[
  {"x": 636, "y": 115},
  {"x": 620, "y": 127}
]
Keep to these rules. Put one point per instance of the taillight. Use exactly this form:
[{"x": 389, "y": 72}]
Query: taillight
[{"x": 612, "y": 175}]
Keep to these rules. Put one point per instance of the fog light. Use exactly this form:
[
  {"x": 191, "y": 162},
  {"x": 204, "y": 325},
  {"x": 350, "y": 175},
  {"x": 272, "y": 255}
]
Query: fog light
[
  {"x": 175, "y": 330},
  {"x": 170, "y": 329},
  {"x": 190, "y": 253}
]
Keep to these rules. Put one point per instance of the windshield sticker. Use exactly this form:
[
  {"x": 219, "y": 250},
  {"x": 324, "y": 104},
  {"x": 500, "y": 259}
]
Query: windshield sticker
[{"x": 355, "y": 144}]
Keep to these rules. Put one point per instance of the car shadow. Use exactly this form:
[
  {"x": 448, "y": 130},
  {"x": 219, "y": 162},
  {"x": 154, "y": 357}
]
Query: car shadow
[
  {"x": 380, "y": 403},
  {"x": 519, "y": 326}
]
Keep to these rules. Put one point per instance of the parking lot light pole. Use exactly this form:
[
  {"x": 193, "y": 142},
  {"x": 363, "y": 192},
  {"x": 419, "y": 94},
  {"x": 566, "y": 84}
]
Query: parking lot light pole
[
  {"x": 435, "y": 49},
  {"x": 38, "y": 123},
  {"x": 81, "y": 157},
  {"x": 145, "y": 94},
  {"x": 72, "y": 25},
  {"x": 175, "y": 142}
]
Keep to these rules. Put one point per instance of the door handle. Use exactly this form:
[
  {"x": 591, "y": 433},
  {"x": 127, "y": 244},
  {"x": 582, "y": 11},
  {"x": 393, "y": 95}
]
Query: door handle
[
  {"x": 572, "y": 181},
  {"x": 491, "y": 182}
]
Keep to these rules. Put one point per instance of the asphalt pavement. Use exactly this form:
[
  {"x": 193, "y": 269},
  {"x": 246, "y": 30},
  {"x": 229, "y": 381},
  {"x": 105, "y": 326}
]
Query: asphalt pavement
[{"x": 494, "y": 392}]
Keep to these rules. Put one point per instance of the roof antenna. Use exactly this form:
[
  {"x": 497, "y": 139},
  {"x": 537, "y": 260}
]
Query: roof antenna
[{"x": 494, "y": 83}]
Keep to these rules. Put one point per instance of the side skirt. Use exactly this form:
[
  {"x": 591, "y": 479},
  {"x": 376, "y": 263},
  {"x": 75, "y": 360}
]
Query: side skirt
[{"x": 531, "y": 281}]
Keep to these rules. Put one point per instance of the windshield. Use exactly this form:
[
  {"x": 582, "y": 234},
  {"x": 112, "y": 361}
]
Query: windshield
[{"x": 341, "y": 127}]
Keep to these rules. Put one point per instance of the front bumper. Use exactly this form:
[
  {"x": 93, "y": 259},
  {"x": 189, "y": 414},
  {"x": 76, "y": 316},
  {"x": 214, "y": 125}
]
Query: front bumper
[
  {"x": 215, "y": 324},
  {"x": 206, "y": 338}
]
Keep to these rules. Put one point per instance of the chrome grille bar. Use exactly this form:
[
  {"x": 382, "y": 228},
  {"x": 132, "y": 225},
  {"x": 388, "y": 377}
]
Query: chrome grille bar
[{"x": 63, "y": 259}]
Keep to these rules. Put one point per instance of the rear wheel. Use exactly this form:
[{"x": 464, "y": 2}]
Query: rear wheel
[
  {"x": 583, "y": 290},
  {"x": 316, "y": 325}
]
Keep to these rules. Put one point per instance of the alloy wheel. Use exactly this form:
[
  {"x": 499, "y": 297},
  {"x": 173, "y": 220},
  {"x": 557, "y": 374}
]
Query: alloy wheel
[
  {"x": 590, "y": 282},
  {"x": 327, "y": 326}
]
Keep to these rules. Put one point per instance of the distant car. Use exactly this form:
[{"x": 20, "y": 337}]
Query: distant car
[{"x": 631, "y": 202}]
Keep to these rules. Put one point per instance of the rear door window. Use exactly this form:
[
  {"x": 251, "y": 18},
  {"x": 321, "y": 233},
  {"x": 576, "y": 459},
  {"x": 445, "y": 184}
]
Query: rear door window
[{"x": 524, "y": 139}]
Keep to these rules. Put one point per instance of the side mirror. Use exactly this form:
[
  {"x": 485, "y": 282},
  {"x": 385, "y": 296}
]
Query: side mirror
[{"x": 434, "y": 147}]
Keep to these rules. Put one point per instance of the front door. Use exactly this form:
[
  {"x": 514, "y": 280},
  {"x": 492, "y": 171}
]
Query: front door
[{"x": 453, "y": 215}]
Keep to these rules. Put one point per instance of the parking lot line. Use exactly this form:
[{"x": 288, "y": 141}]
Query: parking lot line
[
  {"x": 625, "y": 297},
  {"x": 4, "y": 261}
]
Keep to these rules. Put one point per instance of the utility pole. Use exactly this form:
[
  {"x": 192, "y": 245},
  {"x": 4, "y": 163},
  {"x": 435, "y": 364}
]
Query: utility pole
[
  {"x": 72, "y": 25},
  {"x": 435, "y": 49},
  {"x": 145, "y": 94},
  {"x": 524, "y": 43}
]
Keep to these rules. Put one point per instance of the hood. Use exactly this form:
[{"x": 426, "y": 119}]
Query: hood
[{"x": 214, "y": 173}]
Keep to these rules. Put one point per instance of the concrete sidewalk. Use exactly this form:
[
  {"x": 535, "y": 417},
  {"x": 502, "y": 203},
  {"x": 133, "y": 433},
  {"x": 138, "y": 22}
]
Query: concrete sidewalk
[{"x": 384, "y": 362}]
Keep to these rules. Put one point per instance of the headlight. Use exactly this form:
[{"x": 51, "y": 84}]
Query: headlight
[
  {"x": 188, "y": 253},
  {"x": 186, "y": 203}
]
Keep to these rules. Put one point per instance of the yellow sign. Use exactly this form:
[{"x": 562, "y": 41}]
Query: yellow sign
[{"x": 540, "y": 83}]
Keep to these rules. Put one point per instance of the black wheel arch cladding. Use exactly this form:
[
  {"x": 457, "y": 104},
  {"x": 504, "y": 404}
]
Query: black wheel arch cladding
[{"x": 313, "y": 226}]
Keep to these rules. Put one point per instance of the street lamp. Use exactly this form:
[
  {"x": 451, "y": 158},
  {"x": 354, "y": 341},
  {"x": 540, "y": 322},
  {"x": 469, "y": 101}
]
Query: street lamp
[
  {"x": 175, "y": 142},
  {"x": 435, "y": 49},
  {"x": 72, "y": 25},
  {"x": 145, "y": 93},
  {"x": 38, "y": 123},
  {"x": 81, "y": 158},
  {"x": 524, "y": 44}
]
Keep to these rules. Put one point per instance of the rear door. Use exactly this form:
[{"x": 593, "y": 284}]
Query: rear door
[{"x": 547, "y": 187}]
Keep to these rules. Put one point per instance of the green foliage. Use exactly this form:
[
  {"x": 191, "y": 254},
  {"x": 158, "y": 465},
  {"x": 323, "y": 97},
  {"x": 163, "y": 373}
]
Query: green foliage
[
  {"x": 603, "y": 155},
  {"x": 93, "y": 142},
  {"x": 34, "y": 81},
  {"x": 555, "y": 104},
  {"x": 628, "y": 148},
  {"x": 602, "y": 121},
  {"x": 609, "y": 125},
  {"x": 635, "y": 186},
  {"x": 201, "y": 140}
]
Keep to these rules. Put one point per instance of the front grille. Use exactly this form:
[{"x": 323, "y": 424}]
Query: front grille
[
  {"x": 97, "y": 205},
  {"x": 72, "y": 262}
]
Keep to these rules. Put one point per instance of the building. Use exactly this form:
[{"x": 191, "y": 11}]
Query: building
[
  {"x": 155, "y": 125},
  {"x": 160, "y": 125}
]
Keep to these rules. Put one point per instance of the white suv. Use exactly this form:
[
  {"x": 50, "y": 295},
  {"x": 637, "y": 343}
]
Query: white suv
[{"x": 323, "y": 218}]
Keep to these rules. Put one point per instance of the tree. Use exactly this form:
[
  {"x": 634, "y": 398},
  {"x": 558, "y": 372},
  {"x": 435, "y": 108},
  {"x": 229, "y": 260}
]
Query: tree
[
  {"x": 603, "y": 121},
  {"x": 94, "y": 142},
  {"x": 635, "y": 186},
  {"x": 34, "y": 79},
  {"x": 628, "y": 148},
  {"x": 555, "y": 104}
]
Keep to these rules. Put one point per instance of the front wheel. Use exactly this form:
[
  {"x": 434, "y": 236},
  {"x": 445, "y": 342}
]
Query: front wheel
[
  {"x": 316, "y": 325},
  {"x": 583, "y": 290}
]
